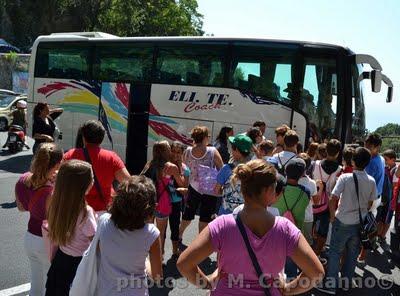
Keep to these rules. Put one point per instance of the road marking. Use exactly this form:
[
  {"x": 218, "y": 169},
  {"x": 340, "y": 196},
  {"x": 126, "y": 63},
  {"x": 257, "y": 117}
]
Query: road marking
[{"x": 16, "y": 290}]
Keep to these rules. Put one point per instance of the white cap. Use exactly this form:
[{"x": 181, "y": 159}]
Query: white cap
[{"x": 21, "y": 104}]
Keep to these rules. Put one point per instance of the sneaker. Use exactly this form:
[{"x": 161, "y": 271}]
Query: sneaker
[{"x": 324, "y": 288}]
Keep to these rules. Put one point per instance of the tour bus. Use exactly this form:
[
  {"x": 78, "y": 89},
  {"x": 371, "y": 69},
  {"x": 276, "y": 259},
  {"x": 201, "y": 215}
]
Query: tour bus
[{"x": 149, "y": 89}]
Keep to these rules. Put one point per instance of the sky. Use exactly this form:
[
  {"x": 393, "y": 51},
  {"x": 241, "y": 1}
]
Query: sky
[{"x": 369, "y": 27}]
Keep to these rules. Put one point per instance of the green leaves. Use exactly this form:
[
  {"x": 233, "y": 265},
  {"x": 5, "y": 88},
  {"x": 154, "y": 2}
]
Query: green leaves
[{"x": 23, "y": 21}]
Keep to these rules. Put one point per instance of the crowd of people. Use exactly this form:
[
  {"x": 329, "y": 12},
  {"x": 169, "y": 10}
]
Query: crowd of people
[{"x": 267, "y": 208}]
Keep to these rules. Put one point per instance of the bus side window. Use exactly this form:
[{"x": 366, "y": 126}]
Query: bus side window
[
  {"x": 190, "y": 65},
  {"x": 123, "y": 62},
  {"x": 57, "y": 60}
]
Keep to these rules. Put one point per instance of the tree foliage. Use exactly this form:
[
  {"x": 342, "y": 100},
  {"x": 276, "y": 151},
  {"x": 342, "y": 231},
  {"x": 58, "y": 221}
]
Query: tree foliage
[
  {"x": 22, "y": 21},
  {"x": 390, "y": 129},
  {"x": 391, "y": 137}
]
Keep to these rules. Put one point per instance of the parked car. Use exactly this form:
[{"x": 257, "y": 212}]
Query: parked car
[
  {"x": 6, "y": 47},
  {"x": 8, "y": 103}
]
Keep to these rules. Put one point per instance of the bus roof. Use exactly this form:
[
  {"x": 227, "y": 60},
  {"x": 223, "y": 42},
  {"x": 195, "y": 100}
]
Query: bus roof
[{"x": 100, "y": 36}]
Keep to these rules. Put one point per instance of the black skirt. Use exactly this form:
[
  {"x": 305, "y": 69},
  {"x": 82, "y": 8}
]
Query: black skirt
[{"x": 61, "y": 274}]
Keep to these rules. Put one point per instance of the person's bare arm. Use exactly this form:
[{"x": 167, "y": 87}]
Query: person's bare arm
[
  {"x": 122, "y": 175},
  {"x": 332, "y": 207},
  {"x": 189, "y": 260},
  {"x": 20, "y": 207},
  {"x": 218, "y": 189},
  {"x": 155, "y": 268},
  {"x": 48, "y": 138},
  {"x": 218, "y": 162},
  {"x": 370, "y": 203},
  {"x": 312, "y": 269},
  {"x": 173, "y": 170},
  {"x": 60, "y": 110}
]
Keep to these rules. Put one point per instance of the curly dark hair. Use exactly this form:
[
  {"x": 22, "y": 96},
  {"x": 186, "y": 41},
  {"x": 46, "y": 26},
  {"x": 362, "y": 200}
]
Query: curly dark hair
[{"x": 134, "y": 203}]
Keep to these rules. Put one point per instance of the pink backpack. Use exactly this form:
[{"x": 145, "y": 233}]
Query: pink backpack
[
  {"x": 164, "y": 205},
  {"x": 322, "y": 205},
  {"x": 288, "y": 214}
]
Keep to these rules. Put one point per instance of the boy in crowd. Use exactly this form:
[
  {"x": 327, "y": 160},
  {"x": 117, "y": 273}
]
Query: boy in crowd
[
  {"x": 290, "y": 141},
  {"x": 294, "y": 200},
  {"x": 280, "y": 133},
  {"x": 376, "y": 169},
  {"x": 326, "y": 173},
  {"x": 311, "y": 185},
  {"x": 262, "y": 126},
  {"x": 346, "y": 221},
  {"x": 321, "y": 152},
  {"x": 265, "y": 149},
  {"x": 347, "y": 160},
  {"x": 385, "y": 211}
]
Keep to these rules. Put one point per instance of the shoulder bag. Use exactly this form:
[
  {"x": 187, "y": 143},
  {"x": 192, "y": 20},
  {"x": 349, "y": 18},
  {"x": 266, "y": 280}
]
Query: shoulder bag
[
  {"x": 252, "y": 255},
  {"x": 368, "y": 226},
  {"x": 96, "y": 181}
]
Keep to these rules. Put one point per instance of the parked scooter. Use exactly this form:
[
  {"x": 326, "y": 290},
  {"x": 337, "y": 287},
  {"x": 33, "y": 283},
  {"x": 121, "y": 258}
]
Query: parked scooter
[{"x": 16, "y": 139}]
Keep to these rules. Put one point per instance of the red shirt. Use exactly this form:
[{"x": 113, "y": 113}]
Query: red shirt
[
  {"x": 347, "y": 169},
  {"x": 105, "y": 164}
]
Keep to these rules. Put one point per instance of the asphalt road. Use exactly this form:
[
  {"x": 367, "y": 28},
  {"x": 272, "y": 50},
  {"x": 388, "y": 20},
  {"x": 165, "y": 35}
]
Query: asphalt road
[{"x": 379, "y": 271}]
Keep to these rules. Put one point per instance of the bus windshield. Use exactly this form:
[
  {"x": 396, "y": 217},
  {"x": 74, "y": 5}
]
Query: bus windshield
[{"x": 309, "y": 87}]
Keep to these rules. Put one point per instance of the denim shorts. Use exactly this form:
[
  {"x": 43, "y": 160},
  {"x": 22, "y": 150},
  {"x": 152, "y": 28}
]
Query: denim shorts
[{"x": 158, "y": 215}]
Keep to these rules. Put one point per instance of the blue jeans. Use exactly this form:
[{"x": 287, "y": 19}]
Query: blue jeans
[
  {"x": 344, "y": 238},
  {"x": 291, "y": 269}
]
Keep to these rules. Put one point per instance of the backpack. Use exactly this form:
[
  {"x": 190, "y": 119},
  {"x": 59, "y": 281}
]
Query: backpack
[
  {"x": 163, "y": 191},
  {"x": 387, "y": 190},
  {"x": 281, "y": 167},
  {"x": 322, "y": 205},
  {"x": 288, "y": 214},
  {"x": 231, "y": 195}
]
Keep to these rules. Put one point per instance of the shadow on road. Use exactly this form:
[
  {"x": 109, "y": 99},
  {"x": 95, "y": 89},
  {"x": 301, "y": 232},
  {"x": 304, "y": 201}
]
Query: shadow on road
[
  {"x": 172, "y": 275},
  {"x": 18, "y": 164},
  {"x": 8, "y": 205}
]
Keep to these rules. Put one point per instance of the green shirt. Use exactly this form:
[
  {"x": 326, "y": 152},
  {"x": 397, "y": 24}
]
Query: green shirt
[{"x": 291, "y": 194}]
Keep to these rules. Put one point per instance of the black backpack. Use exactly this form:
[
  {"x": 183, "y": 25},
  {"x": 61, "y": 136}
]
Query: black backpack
[{"x": 281, "y": 166}]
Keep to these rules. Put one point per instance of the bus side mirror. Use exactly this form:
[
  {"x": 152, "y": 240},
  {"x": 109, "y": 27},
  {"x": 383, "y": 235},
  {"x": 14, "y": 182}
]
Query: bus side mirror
[
  {"x": 389, "y": 97},
  {"x": 376, "y": 80}
]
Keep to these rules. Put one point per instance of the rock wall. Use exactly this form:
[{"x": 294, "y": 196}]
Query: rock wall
[{"x": 9, "y": 64}]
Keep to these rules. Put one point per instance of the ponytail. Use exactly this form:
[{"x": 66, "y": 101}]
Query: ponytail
[
  {"x": 254, "y": 176},
  {"x": 46, "y": 157}
]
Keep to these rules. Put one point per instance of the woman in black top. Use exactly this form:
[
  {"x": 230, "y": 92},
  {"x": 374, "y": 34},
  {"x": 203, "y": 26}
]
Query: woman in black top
[
  {"x": 43, "y": 124},
  {"x": 221, "y": 143}
]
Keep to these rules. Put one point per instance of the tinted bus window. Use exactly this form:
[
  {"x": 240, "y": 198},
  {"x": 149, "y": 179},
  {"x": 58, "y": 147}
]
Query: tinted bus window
[
  {"x": 122, "y": 62},
  {"x": 318, "y": 97},
  {"x": 58, "y": 60},
  {"x": 192, "y": 65},
  {"x": 263, "y": 71}
]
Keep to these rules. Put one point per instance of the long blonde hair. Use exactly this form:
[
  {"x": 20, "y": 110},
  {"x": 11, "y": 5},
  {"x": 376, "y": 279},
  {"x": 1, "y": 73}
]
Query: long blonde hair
[
  {"x": 46, "y": 157},
  {"x": 68, "y": 200}
]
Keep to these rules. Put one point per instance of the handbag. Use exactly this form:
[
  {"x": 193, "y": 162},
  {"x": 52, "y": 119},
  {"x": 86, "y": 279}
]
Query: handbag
[
  {"x": 207, "y": 177},
  {"x": 85, "y": 280},
  {"x": 252, "y": 255},
  {"x": 368, "y": 226}
]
